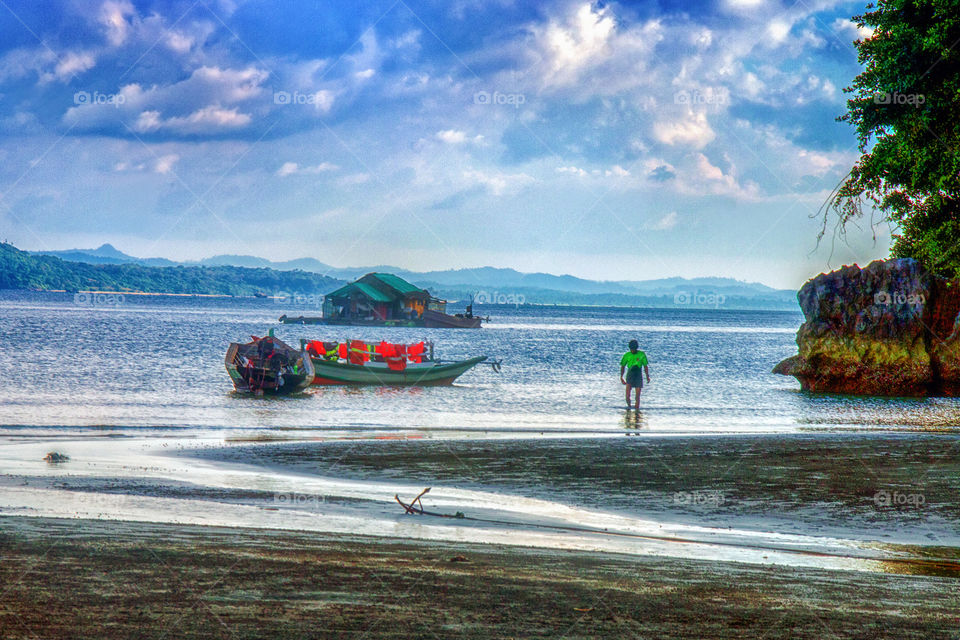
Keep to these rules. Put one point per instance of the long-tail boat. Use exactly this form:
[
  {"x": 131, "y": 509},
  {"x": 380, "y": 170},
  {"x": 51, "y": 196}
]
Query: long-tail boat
[
  {"x": 385, "y": 364},
  {"x": 268, "y": 366}
]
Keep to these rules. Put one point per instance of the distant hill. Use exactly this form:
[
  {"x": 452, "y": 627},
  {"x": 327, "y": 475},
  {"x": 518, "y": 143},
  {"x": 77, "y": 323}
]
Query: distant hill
[
  {"x": 105, "y": 254},
  {"x": 23, "y": 270},
  {"x": 490, "y": 283}
]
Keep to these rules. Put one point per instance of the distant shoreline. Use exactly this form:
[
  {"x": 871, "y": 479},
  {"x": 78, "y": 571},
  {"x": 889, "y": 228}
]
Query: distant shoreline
[{"x": 478, "y": 309}]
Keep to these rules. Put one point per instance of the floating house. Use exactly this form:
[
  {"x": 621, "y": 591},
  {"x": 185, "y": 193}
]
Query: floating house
[{"x": 384, "y": 299}]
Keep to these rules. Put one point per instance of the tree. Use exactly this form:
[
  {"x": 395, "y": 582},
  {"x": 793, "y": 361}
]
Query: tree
[{"x": 905, "y": 106}]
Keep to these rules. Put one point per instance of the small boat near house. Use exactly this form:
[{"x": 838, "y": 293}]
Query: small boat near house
[{"x": 386, "y": 300}]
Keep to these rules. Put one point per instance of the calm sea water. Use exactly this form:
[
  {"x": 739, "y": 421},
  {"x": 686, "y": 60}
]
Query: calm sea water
[{"x": 158, "y": 362}]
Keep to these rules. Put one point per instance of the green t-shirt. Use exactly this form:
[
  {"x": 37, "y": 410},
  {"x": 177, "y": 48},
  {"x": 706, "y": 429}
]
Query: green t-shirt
[{"x": 630, "y": 359}]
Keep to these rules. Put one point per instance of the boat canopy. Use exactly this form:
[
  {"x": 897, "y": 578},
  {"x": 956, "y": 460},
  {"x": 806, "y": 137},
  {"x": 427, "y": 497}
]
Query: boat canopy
[{"x": 359, "y": 352}]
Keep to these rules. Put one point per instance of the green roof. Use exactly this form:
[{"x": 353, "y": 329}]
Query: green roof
[
  {"x": 397, "y": 283},
  {"x": 364, "y": 288}
]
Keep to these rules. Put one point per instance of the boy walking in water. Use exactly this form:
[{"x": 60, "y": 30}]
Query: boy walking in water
[{"x": 631, "y": 362}]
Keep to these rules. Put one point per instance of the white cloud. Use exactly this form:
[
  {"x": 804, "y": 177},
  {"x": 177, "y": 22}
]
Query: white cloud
[
  {"x": 73, "y": 63},
  {"x": 164, "y": 164},
  {"x": 451, "y": 136},
  {"x": 148, "y": 121},
  {"x": 816, "y": 163},
  {"x": 615, "y": 171},
  {"x": 179, "y": 42},
  {"x": 210, "y": 119},
  {"x": 665, "y": 223},
  {"x": 291, "y": 168},
  {"x": 232, "y": 85},
  {"x": 200, "y": 104},
  {"x": 113, "y": 16},
  {"x": 709, "y": 171},
  {"x": 703, "y": 177},
  {"x": 778, "y": 30},
  {"x": 287, "y": 169},
  {"x": 587, "y": 51},
  {"x": 691, "y": 129},
  {"x": 363, "y": 75},
  {"x": 499, "y": 183},
  {"x": 579, "y": 42},
  {"x": 849, "y": 30},
  {"x": 618, "y": 171}
]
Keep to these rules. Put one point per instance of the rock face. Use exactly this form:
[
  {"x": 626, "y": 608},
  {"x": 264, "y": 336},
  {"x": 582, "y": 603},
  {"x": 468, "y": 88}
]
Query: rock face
[{"x": 889, "y": 329}]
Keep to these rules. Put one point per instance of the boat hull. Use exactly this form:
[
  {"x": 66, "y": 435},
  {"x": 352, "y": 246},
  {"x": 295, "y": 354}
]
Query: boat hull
[
  {"x": 292, "y": 382},
  {"x": 435, "y": 320},
  {"x": 430, "y": 320},
  {"x": 328, "y": 373}
]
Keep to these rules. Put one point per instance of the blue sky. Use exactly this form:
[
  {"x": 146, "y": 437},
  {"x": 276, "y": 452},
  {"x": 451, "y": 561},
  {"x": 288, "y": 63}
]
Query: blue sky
[{"x": 608, "y": 140}]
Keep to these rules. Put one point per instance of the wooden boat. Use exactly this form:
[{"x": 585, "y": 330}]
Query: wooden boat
[
  {"x": 437, "y": 320},
  {"x": 427, "y": 374},
  {"x": 268, "y": 366},
  {"x": 356, "y": 365}
]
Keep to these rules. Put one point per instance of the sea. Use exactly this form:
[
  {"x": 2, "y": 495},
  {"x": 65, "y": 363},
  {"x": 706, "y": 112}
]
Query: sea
[
  {"x": 724, "y": 460},
  {"x": 142, "y": 362}
]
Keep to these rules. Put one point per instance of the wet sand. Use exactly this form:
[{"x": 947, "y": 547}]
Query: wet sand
[
  {"x": 95, "y": 579},
  {"x": 896, "y": 487}
]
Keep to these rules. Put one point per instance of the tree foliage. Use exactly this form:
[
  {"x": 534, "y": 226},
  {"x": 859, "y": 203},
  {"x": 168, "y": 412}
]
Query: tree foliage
[{"x": 905, "y": 106}]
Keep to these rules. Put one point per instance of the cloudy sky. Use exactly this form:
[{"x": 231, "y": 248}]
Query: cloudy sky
[{"x": 627, "y": 140}]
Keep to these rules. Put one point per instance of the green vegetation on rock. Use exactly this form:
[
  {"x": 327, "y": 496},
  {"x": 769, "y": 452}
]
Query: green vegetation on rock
[{"x": 906, "y": 110}]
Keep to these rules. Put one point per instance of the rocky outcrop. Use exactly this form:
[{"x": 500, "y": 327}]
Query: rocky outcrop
[{"x": 889, "y": 329}]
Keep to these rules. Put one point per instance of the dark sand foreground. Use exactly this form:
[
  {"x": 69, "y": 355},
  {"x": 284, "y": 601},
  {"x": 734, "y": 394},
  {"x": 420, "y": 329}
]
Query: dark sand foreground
[{"x": 98, "y": 579}]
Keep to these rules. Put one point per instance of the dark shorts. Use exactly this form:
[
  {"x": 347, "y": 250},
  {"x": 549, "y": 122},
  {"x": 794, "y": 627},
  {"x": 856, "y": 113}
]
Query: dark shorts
[{"x": 635, "y": 377}]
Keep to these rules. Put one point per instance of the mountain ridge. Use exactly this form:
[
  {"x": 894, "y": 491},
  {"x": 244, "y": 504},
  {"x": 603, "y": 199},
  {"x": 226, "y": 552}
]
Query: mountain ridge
[{"x": 464, "y": 282}]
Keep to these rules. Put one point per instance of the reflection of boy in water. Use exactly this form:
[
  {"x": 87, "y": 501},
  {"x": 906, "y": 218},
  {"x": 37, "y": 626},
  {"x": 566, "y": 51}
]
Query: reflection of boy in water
[{"x": 634, "y": 362}]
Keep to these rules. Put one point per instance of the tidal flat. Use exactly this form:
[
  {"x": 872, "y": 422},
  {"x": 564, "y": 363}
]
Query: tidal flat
[{"x": 900, "y": 487}]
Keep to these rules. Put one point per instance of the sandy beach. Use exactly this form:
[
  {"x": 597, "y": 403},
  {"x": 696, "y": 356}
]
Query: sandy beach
[
  {"x": 94, "y": 579},
  {"x": 676, "y": 537}
]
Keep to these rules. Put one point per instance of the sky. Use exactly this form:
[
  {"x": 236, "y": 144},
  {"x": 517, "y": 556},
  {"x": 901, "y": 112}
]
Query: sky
[{"x": 616, "y": 141}]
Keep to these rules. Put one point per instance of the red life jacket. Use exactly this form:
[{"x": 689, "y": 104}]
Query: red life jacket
[{"x": 415, "y": 352}]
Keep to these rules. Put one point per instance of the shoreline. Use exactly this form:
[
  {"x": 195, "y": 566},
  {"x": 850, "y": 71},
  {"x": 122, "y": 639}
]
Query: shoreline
[{"x": 583, "y": 495}]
